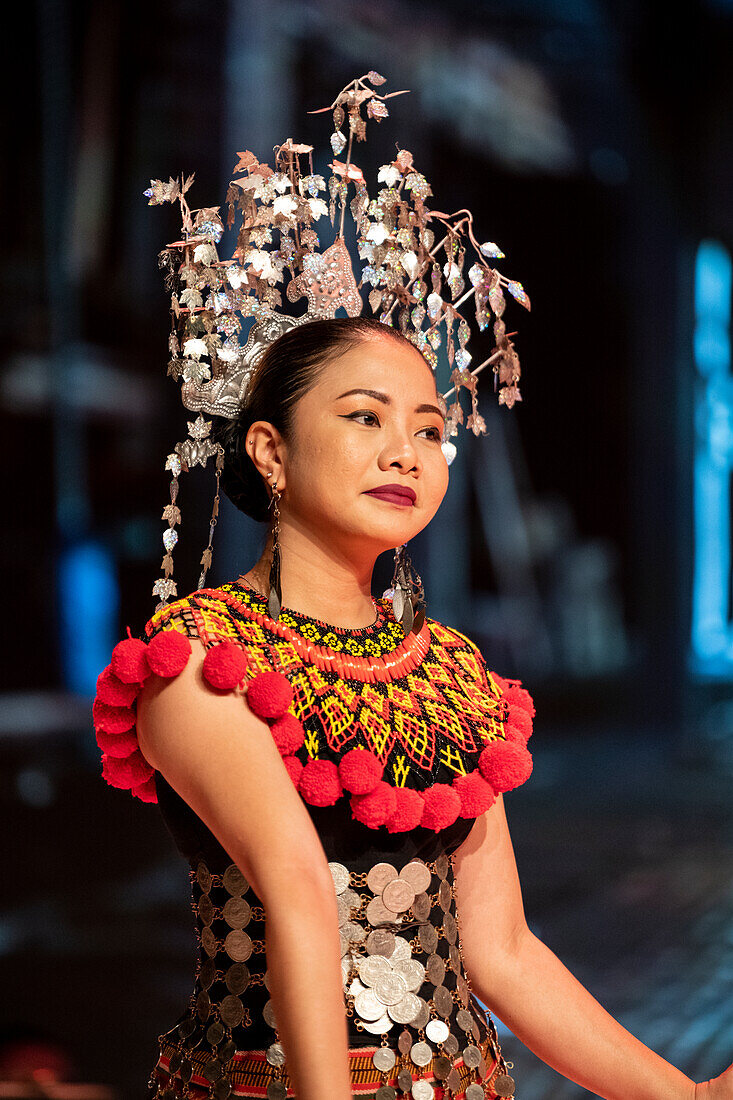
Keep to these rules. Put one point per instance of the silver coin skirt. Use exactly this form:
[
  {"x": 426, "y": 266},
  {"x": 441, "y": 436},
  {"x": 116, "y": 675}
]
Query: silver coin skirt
[{"x": 416, "y": 1029}]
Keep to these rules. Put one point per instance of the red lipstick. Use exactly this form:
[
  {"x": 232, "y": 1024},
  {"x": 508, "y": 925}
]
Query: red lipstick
[{"x": 395, "y": 494}]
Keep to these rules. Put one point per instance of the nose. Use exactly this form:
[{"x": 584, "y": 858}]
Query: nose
[{"x": 399, "y": 450}]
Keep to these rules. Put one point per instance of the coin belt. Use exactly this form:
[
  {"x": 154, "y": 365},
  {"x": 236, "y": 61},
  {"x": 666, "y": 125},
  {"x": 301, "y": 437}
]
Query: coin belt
[{"x": 403, "y": 979}]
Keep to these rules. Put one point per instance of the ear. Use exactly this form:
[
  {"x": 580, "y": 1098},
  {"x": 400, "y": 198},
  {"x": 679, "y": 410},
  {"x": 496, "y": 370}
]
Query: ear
[{"x": 268, "y": 450}]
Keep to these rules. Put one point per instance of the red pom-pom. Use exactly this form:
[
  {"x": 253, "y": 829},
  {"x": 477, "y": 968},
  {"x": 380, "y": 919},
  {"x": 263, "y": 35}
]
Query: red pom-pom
[
  {"x": 288, "y": 733},
  {"x": 319, "y": 783},
  {"x": 360, "y": 771},
  {"x": 505, "y": 765},
  {"x": 518, "y": 725},
  {"x": 115, "y": 692},
  {"x": 224, "y": 666},
  {"x": 520, "y": 697},
  {"x": 294, "y": 768},
  {"x": 112, "y": 719},
  {"x": 375, "y": 808},
  {"x": 146, "y": 791},
  {"x": 500, "y": 682},
  {"x": 476, "y": 795},
  {"x": 118, "y": 745},
  {"x": 130, "y": 661},
  {"x": 408, "y": 810},
  {"x": 168, "y": 653},
  {"x": 442, "y": 806},
  {"x": 269, "y": 694},
  {"x": 127, "y": 773}
]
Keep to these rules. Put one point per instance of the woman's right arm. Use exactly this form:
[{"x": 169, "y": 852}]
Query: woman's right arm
[{"x": 222, "y": 760}]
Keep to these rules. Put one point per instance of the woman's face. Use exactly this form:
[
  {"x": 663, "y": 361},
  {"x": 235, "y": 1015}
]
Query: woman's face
[{"x": 345, "y": 444}]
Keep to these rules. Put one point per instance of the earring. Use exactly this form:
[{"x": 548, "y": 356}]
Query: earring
[
  {"x": 408, "y": 595},
  {"x": 274, "y": 598}
]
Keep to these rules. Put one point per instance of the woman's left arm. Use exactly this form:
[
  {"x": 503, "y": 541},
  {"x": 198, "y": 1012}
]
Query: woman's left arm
[{"x": 524, "y": 983}]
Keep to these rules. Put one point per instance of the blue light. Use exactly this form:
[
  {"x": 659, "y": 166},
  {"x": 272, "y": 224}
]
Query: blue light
[
  {"x": 89, "y": 609},
  {"x": 712, "y": 629}
]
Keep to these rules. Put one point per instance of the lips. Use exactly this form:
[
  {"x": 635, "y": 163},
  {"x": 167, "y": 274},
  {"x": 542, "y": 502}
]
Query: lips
[{"x": 396, "y": 494}]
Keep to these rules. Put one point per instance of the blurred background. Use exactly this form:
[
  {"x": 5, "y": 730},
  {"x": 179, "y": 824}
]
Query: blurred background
[{"x": 584, "y": 543}]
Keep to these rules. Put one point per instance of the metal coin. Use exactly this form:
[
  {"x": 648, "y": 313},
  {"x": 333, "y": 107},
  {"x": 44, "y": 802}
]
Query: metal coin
[
  {"x": 464, "y": 1019},
  {"x": 437, "y": 1031},
  {"x": 404, "y": 1080},
  {"x": 453, "y": 1080},
  {"x": 417, "y": 874},
  {"x": 378, "y": 913},
  {"x": 206, "y": 909},
  {"x": 435, "y": 969},
  {"x": 276, "y": 1090},
  {"x": 356, "y": 933},
  {"x": 450, "y": 1044},
  {"x": 213, "y": 1070},
  {"x": 227, "y": 1050},
  {"x": 475, "y": 1092},
  {"x": 445, "y": 897},
  {"x": 402, "y": 950},
  {"x": 390, "y": 988},
  {"x": 384, "y": 1058},
  {"x": 231, "y": 1010},
  {"x": 223, "y": 1089},
  {"x": 268, "y": 1014},
  {"x": 421, "y": 907},
  {"x": 350, "y": 898},
  {"x": 423, "y": 1015},
  {"x": 207, "y": 973},
  {"x": 266, "y": 979},
  {"x": 373, "y": 967},
  {"x": 442, "y": 865},
  {"x": 421, "y": 1053},
  {"x": 422, "y": 1089},
  {"x": 203, "y": 1005},
  {"x": 404, "y": 1043},
  {"x": 455, "y": 958},
  {"x": 208, "y": 942},
  {"x": 462, "y": 989},
  {"x": 378, "y": 1027},
  {"x": 357, "y": 987},
  {"x": 174, "y": 1063},
  {"x": 380, "y": 942},
  {"x": 238, "y": 945},
  {"x": 237, "y": 912},
  {"x": 504, "y": 1085},
  {"x": 345, "y": 968},
  {"x": 275, "y": 1054},
  {"x": 368, "y": 1005},
  {"x": 443, "y": 1001},
  {"x": 398, "y": 895},
  {"x": 450, "y": 928},
  {"x": 343, "y": 909},
  {"x": 234, "y": 881},
  {"x": 237, "y": 978},
  {"x": 385, "y": 1092},
  {"x": 476, "y": 1031},
  {"x": 186, "y": 1027},
  {"x": 186, "y": 1071},
  {"x": 471, "y": 1056},
  {"x": 442, "y": 1066},
  {"x": 412, "y": 971},
  {"x": 428, "y": 936},
  {"x": 340, "y": 875},
  {"x": 379, "y": 875},
  {"x": 215, "y": 1034},
  {"x": 406, "y": 1009},
  {"x": 345, "y": 944},
  {"x": 482, "y": 1067},
  {"x": 203, "y": 876}
]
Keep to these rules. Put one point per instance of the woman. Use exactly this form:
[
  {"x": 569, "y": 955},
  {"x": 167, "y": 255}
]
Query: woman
[{"x": 342, "y": 937}]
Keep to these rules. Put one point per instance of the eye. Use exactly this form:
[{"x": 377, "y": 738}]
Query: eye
[
  {"x": 364, "y": 412},
  {"x": 437, "y": 434}
]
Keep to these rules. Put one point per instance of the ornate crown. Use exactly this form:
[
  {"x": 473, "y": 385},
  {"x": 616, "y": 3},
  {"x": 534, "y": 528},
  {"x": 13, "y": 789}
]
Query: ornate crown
[{"x": 414, "y": 261}]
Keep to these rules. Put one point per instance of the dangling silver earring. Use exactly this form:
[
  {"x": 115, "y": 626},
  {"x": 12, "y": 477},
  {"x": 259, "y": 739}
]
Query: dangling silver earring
[
  {"x": 274, "y": 598},
  {"x": 408, "y": 598}
]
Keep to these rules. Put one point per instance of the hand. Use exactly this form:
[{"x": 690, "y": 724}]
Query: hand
[{"x": 719, "y": 1088}]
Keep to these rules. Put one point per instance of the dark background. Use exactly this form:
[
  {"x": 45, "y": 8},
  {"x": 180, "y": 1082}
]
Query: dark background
[{"x": 577, "y": 543}]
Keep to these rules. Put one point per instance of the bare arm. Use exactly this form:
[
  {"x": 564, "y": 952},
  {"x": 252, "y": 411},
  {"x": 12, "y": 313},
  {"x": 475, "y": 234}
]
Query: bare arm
[
  {"x": 524, "y": 983},
  {"x": 221, "y": 758}
]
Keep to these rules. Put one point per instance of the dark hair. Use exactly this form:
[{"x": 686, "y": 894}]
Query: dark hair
[{"x": 286, "y": 371}]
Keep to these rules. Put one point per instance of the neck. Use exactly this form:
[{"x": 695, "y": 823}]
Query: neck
[{"x": 318, "y": 582}]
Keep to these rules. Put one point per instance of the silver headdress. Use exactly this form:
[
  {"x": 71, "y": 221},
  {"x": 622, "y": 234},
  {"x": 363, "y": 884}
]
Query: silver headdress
[{"x": 414, "y": 262}]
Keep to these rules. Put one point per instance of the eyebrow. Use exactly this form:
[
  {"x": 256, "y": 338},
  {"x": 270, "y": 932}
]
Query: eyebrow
[{"x": 378, "y": 396}]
